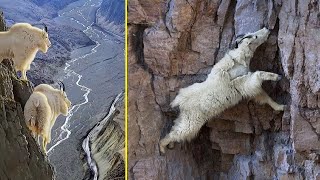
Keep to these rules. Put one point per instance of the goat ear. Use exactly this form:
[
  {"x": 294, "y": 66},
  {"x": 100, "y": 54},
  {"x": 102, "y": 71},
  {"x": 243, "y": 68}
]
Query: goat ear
[
  {"x": 239, "y": 38},
  {"x": 237, "y": 41},
  {"x": 234, "y": 45},
  {"x": 45, "y": 27}
]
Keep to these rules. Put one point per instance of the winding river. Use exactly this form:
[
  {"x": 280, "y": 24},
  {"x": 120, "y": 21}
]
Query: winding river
[{"x": 93, "y": 79}]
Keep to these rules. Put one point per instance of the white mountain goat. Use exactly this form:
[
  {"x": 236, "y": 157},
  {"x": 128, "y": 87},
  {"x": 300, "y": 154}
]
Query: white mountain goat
[
  {"x": 229, "y": 82},
  {"x": 42, "y": 109},
  {"x": 21, "y": 43}
]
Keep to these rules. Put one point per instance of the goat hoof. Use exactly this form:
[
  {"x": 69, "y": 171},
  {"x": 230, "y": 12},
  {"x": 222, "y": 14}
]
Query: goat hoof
[
  {"x": 162, "y": 150},
  {"x": 280, "y": 108},
  {"x": 279, "y": 77},
  {"x": 170, "y": 145}
]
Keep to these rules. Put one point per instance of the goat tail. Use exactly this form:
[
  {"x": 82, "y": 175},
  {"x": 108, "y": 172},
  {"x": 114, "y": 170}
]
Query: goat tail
[
  {"x": 32, "y": 109},
  {"x": 30, "y": 113}
]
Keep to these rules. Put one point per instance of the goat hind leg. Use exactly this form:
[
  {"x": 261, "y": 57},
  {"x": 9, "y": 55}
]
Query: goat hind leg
[
  {"x": 34, "y": 134},
  {"x": 24, "y": 75},
  {"x": 180, "y": 132},
  {"x": 38, "y": 139},
  {"x": 169, "y": 140}
]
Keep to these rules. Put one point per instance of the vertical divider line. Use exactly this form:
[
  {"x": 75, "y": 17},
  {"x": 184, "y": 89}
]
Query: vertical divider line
[{"x": 126, "y": 89}]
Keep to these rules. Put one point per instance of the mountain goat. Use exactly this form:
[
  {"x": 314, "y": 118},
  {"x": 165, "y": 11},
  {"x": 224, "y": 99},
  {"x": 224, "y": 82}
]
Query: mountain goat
[
  {"x": 229, "y": 81},
  {"x": 21, "y": 43},
  {"x": 42, "y": 109}
]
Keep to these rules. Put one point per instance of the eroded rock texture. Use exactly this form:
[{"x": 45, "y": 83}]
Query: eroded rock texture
[
  {"x": 20, "y": 157},
  {"x": 107, "y": 141},
  {"x": 174, "y": 43}
]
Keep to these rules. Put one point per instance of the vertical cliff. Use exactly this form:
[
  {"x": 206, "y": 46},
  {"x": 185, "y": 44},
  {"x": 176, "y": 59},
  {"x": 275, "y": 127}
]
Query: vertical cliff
[
  {"x": 174, "y": 43},
  {"x": 20, "y": 156},
  {"x": 105, "y": 143}
]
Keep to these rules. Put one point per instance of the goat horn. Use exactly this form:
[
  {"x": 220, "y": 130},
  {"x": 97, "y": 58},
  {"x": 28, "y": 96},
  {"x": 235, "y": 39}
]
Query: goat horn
[
  {"x": 62, "y": 87},
  {"x": 45, "y": 27},
  {"x": 43, "y": 24}
]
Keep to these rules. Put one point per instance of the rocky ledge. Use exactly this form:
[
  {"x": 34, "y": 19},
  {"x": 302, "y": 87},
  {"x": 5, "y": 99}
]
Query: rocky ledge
[{"x": 20, "y": 157}]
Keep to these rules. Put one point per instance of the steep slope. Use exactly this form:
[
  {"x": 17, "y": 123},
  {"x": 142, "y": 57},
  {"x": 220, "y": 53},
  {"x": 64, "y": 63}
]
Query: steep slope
[
  {"x": 33, "y": 10},
  {"x": 173, "y": 44},
  {"x": 106, "y": 142},
  {"x": 20, "y": 155},
  {"x": 110, "y": 16}
]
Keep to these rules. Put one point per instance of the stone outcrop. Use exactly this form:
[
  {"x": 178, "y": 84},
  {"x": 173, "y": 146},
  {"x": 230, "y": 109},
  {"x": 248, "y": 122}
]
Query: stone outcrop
[
  {"x": 173, "y": 44},
  {"x": 20, "y": 155}
]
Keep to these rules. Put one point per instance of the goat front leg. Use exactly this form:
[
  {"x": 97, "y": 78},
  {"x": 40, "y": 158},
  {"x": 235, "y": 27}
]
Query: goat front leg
[
  {"x": 24, "y": 75},
  {"x": 44, "y": 144},
  {"x": 264, "y": 98},
  {"x": 249, "y": 85},
  {"x": 264, "y": 76}
]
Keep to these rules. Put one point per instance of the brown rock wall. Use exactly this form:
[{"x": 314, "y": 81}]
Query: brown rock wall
[{"x": 174, "y": 44}]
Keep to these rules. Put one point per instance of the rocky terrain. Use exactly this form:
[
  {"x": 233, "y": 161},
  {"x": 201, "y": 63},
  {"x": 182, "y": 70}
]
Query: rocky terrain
[
  {"x": 173, "y": 44},
  {"x": 110, "y": 16},
  {"x": 93, "y": 77},
  {"x": 20, "y": 157},
  {"x": 106, "y": 141}
]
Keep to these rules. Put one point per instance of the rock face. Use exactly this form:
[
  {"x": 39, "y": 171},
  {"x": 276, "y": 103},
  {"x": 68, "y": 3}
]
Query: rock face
[
  {"x": 173, "y": 44},
  {"x": 107, "y": 140},
  {"x": 20, "y": 155}
]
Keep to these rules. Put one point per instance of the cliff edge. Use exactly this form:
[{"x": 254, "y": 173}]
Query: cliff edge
[{"x": 20, "y": 155}]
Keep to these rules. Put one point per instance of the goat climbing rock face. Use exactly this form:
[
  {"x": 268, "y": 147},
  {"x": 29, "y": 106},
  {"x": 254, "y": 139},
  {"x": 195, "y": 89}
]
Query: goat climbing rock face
[
  {"x": 21, "y": 44},
  {"x": 229, "y": 81},
  {"x": 42, "y": 109}
]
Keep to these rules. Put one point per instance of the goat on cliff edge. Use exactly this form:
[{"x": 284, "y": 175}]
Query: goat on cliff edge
[
  {"x": 229, "y": 81},
  {"x": 21, "y": 44},
  {"x": 42, "y": 109}
]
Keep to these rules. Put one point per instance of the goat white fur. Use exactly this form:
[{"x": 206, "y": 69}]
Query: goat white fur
[
  {"x": 21, "y": 44},
  {"x": 42, "y": 109},
  {"x": 228, "y": 83}
]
